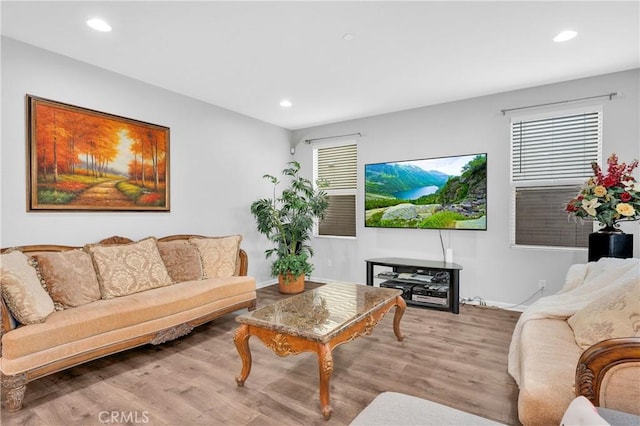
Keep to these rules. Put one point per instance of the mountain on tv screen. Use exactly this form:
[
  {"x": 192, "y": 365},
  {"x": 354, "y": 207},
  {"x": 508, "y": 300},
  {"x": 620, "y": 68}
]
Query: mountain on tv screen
[{"x": 433, "y": 193}]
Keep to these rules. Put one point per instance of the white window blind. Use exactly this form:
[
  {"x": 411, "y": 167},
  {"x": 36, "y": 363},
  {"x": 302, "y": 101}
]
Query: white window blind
[
  {"x": 336, "y": 170},
  {"x": 555, "y": 147},
  {"x": 550, "y": 160}
]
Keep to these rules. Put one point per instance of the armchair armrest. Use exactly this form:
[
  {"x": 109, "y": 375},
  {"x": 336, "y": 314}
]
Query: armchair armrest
[{"x": 597, "y": 360}]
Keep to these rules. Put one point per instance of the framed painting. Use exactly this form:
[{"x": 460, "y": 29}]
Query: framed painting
[{"x": 86, "y": 160}]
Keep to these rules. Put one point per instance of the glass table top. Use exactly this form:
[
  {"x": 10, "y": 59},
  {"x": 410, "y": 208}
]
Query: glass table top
[{"x": 322, "y": 313}]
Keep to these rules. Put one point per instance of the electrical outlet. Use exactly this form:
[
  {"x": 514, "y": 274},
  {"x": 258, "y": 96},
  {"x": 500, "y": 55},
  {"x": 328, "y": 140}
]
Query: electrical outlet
[{"x": 542, "y": 284}]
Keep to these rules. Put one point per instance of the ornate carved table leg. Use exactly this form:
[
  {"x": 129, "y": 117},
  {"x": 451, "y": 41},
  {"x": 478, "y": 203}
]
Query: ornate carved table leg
[
  {"x": 401, "y": 305},
  {"x": 325, "y": 362},
  {"x": 14, "y": 388},
  {"x": 241, "y": 339}
]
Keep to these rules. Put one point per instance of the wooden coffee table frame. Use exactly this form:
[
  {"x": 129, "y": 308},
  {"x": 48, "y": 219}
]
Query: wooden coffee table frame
[{"x": 284, "y": 344}]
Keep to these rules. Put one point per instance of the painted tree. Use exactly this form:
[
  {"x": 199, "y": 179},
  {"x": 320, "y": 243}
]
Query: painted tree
[
  {"x": 100, "y": 144},
  {"x": 137, "y": 148},
  {"x": 77, "y": 126},
  {"x": 52, "y": 130},
  {"x": 67, "y": 137},
  {"x": 150, "y": 145}
]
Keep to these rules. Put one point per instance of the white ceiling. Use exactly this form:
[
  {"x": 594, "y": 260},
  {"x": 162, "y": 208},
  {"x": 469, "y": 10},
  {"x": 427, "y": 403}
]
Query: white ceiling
[{"x": 247, "y": 56}]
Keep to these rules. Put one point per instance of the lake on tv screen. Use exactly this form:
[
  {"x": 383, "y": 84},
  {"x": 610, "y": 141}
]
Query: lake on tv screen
[{"x": 415, "y": 193}]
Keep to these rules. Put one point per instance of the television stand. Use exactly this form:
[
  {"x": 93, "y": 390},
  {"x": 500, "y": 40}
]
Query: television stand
[{"x": 425, "y": 283}]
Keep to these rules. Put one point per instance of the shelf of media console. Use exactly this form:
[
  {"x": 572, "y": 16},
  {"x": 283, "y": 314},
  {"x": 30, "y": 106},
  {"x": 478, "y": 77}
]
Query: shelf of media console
[
  {"x": 409, "y": 280},
  {"x": 448, "y": 275},
  {"x": 443, "y": 304}
]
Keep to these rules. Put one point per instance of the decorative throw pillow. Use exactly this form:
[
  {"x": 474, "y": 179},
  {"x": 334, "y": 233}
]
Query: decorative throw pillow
[
  {"x": 69, "y": 278},
  {"x": 219, "y": 255},
  {"x": 8, "y": 321},
  {"x": 128, "y": 268},
  {"x": 615, "y": 315},
  {"x": 22, "y": 291},
  {"x": 181, "y": 259}
]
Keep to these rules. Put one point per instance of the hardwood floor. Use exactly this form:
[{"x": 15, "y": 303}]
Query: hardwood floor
[{"x": 456, "y": 360}]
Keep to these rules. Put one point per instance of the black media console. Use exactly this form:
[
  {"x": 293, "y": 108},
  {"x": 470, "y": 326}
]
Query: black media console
[{"x": 424, "y": 283}]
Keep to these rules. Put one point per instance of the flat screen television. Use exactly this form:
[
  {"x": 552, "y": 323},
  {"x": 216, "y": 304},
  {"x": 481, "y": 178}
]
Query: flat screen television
[{"x": 431, "y": 193}]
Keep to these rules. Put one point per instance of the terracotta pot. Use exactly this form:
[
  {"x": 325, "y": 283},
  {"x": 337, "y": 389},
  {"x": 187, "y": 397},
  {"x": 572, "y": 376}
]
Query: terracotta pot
[{"x": 291, "y": 284}]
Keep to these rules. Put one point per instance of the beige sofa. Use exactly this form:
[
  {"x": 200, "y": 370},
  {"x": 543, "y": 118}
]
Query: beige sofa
[
  {"x": 108, "y": 297},
  {"x": 564, "y": 345}
]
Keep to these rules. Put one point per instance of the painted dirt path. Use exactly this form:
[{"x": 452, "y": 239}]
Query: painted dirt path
[{"x": 102, "y": 194}]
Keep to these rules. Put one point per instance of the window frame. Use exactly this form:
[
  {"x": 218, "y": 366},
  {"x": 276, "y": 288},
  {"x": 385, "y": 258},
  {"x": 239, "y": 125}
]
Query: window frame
[
  {"x": 541, "y": 183},
  {"x": 332, "y": 144}
]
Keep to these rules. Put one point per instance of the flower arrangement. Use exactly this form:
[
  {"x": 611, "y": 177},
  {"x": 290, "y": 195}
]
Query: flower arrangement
[{"x": 608, "y": 198}]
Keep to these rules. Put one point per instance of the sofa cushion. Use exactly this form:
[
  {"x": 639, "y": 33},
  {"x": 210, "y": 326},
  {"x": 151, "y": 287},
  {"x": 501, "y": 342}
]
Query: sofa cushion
[
  {"x": 219, "y": 255},
  {"x": 22, "y": 291},
  {"x": 617, "y": 314},
  {"x": 129, "y": 268},
  {"x": 181, "y": 259},
  {"x": 393, "y": 408},
  {"x": 548, "y": 356},
  {"x": 105, "y": 316},
  {"x": 620, "y": 388},
  {"x": 69, "y": 277}
]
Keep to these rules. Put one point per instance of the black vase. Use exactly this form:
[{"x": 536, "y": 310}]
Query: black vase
[{"x": 610, "y": 242}]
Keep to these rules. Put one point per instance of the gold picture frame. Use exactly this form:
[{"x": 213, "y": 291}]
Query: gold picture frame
[{"x": 86, "y": 160}]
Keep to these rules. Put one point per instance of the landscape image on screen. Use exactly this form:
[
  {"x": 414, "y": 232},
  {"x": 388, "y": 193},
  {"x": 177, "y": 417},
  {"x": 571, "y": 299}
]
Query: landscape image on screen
[{"x": 435, "y": 193}]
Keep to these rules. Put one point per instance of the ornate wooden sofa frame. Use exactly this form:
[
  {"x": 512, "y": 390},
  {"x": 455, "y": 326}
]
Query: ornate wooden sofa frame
[
  {"x": 14, "y": 386},
  {"x": 598, "y": 360}
]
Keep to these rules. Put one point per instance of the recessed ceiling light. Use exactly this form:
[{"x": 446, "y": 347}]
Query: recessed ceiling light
[
  {"x": 565, "y": 36},
  {"x": 99, "y": 25},
  {"x": 348, "y": 37},
  {"x": 286, "y": 103}
]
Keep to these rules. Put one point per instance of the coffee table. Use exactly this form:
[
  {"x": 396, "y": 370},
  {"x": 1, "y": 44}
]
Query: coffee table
[{"x": 317, "y": 321}]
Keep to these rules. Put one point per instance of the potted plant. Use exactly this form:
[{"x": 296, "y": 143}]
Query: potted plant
[
  {"x": 609, "y": 198},
  {"x": 287, "y": 221}
]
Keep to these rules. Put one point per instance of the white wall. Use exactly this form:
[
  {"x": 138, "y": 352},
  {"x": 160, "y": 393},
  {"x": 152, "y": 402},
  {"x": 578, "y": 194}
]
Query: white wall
[
  {"x": 217, "y": 158},
  {"x": 492, "y": 269}
]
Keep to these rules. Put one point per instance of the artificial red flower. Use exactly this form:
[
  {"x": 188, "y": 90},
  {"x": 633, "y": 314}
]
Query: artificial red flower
[
  {"x": 571, "y": 208},
  {"x": 608, "y": 198}
]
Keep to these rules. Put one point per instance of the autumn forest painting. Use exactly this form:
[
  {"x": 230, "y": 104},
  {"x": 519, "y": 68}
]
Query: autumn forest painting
[{"x": 87, "y": 160}]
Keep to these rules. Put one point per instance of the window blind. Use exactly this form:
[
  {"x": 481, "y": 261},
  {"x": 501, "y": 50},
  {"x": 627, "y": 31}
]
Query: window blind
[
  {"x": 340, "y": 217},
  {"x": 336, "y": 169},
  {"x": 550, "y": 158},
  {"x": 556, "y": 147},
  {"x": 541, "y": 219}
]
